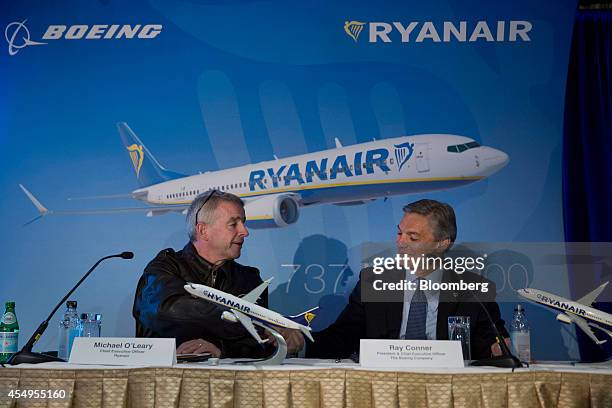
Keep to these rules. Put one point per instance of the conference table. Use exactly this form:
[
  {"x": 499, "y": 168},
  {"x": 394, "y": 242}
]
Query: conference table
[{"x": 307, "y": 383}]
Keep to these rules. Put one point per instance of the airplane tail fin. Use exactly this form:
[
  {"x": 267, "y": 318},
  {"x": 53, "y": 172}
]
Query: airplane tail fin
[
  {"x": 148, "y": 170},
  {"x": 304, "y": 318}
]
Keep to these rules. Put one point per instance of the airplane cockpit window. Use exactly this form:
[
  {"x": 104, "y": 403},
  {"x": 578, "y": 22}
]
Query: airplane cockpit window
[{"x": 462, "y": 147}]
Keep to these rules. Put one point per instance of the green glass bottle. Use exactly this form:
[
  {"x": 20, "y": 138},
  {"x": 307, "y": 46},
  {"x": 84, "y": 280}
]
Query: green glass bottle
[{"x": 9, "y": 333}]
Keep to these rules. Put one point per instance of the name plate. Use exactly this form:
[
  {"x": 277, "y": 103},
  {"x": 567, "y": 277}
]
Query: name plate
[
  {"x": 121, "y": 351},
  {"x": 410, "y": 353}
]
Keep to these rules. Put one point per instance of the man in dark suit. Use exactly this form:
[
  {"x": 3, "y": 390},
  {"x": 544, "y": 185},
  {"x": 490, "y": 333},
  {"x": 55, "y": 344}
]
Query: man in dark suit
[{"x": 428, "y": 228}]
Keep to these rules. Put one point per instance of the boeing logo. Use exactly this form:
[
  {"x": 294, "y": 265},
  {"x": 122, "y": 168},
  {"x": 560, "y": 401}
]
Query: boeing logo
[
  {"x": 447, "y": 31},
  {"x": 17, "y": 34}
]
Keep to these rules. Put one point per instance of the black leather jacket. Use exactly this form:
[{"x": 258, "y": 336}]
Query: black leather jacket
[{"x": 162, "y": 307}]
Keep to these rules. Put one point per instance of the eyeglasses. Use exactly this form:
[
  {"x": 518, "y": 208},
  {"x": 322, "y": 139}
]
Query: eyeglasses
[{"x": 212, "y": 193}]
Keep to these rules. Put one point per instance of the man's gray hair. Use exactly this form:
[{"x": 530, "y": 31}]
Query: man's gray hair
[
  {"x": 204, "y": 209},
  {"x": 441, "y": 217}
]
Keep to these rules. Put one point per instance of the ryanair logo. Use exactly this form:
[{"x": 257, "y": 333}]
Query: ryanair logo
[
  {"x": 308, "y": 317},
  {"x": 137, "y": 157},
  {"x": 441, "y": 31},
  {"x": 403, "y": 152},
  {"x": 353, "y": 29},
  {"x": 562, "y": 305},
  {"x": 228, "y": 302}
]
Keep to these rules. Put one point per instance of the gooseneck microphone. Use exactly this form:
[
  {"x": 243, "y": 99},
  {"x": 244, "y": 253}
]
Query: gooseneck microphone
[
  {"x": 507, "y": 359},
  {"x": 25, "y": 355}
]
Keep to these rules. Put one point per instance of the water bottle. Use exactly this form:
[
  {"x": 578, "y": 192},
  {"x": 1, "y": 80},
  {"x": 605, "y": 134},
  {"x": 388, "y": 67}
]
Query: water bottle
[
  {"x": 9, "y": 333},
  {"x": 69, "y": 328},
  {"x": 91, "y": 325},
  {"x": 519, "y": 334}
]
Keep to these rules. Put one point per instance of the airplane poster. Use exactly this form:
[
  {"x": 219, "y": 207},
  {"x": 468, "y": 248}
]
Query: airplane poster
[{"x": 326, "y": 118}]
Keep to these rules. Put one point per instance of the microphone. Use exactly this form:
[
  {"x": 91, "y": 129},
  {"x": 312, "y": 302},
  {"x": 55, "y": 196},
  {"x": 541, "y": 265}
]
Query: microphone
[
  {"x": 125, "y": 255},
  {"x": 25, "y": 355},
  {"x": 507, "y": 359}
]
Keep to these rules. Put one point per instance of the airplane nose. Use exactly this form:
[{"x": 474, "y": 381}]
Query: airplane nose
[{"x": 493, "y": 160}]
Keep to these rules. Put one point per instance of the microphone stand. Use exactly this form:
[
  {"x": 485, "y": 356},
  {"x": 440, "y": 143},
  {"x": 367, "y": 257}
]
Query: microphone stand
[
  {"x": 507, "y": 359},
  {"x": 26, "y": 355}
]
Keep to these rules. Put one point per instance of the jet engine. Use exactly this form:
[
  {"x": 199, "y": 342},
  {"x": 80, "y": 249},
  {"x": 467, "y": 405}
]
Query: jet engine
[
  {"x": 272, "y": 211},
  {"x": 562, "y": 317},
  {"x": 229, "y": 317}
]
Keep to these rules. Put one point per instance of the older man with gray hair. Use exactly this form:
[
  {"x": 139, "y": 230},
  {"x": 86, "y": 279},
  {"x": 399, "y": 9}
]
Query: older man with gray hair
[
  {"x": 162, "y": 308},
  {"x": 428, "y": 228}
]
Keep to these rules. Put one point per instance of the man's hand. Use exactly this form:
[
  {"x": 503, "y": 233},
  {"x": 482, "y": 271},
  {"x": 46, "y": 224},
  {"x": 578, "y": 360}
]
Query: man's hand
[
  {"x": 198, "y": 346},
  {"x": 496, "y": 348},
  {"x": 293, "y": 338}
]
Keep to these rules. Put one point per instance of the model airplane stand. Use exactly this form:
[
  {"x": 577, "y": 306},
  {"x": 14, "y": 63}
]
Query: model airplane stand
[{"x": 279, "y": 354}]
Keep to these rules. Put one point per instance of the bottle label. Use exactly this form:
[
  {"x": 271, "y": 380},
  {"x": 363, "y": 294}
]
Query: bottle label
[
  {"x": 521, "y": 345},
  {"x": 8, "y": 342},
  {"x": 9, "y": 318}
]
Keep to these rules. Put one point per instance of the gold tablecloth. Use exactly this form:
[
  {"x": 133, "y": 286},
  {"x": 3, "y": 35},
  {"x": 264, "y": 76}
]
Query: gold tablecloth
[{"x": 195, "y": 387}]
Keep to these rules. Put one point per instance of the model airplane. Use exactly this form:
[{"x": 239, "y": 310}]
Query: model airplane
[
  {"x": 244, "y": 309},
  {"x": 274, "y": 191},
  {"x": 579, "y": 311}
]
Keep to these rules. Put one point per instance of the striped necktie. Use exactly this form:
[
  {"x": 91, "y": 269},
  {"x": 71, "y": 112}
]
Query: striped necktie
[{"x": 417, "y": 316}]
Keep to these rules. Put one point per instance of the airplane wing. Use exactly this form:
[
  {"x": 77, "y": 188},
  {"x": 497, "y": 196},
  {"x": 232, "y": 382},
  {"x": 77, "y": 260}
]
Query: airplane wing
[
  {"x": 590, "y": 297},
  {"x": 584, "y": 326},
  {"x": 253, "y": 295},
  {"x": 248, "y": 324}
]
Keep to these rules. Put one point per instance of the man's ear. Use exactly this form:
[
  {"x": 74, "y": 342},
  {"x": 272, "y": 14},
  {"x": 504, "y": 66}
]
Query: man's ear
[
  {"x": 444, "y": 244},
  {"x": 202, "y": 230}
]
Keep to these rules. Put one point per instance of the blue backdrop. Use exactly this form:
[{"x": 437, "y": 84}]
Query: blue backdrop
[{"x": 230, "y": 83}]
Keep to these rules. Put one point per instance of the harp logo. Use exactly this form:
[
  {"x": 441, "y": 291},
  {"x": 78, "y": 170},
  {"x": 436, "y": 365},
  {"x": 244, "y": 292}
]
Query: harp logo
[
  {"x": 353, "y": 29},
  {"x": 309, "y": 316},
  {"x": 137, "y": 157},
  {"x": 403, "y": 152}
]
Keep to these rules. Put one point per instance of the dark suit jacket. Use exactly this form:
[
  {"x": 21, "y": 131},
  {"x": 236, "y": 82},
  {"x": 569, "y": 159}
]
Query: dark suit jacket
[{"x": 361, "y": 319}]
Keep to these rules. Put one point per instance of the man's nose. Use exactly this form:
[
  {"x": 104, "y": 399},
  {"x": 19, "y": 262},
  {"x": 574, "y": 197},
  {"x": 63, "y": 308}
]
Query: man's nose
[{"x": 245, "y": 231}]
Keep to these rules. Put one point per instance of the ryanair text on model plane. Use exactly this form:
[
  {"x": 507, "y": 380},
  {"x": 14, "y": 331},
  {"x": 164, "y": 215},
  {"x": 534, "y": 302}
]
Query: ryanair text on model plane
[
  {"x": 274, "y": 191},
  {"x": 245, "y": 309},
  {"x": 448, "y": 31},
  {"x": 579, "y": 312}
]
